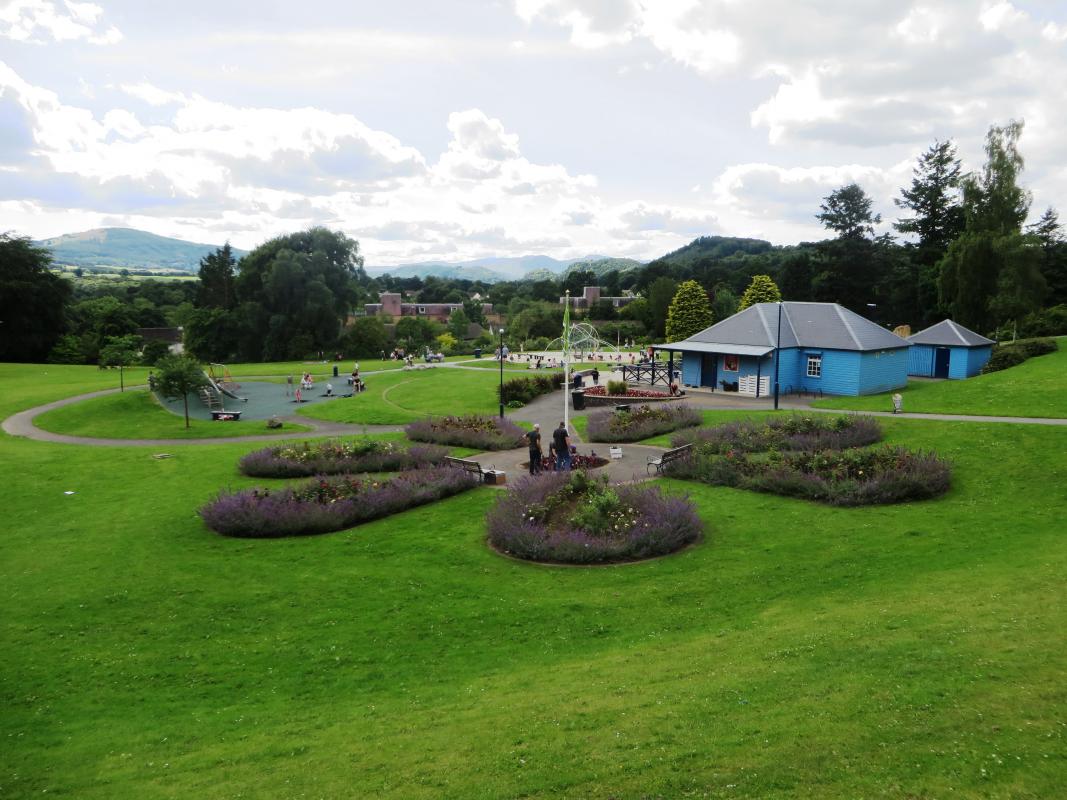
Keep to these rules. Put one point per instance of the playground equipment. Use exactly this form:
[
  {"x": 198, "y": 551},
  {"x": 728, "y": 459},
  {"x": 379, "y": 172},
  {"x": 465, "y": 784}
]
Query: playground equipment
[
  {"x": 577, "y": 339},
  {"x": 220, "y": 384}
]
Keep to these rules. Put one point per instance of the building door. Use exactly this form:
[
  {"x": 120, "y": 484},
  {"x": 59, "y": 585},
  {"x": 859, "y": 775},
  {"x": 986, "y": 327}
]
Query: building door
[
  {"x": 709, "y": 366},
  {"x": 941, "y": 357}
]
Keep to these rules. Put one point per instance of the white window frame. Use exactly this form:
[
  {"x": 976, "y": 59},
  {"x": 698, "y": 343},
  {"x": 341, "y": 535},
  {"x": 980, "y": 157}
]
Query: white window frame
[
  {"x": 422, "y": 309},
  {"x": 814, "y": 366}
]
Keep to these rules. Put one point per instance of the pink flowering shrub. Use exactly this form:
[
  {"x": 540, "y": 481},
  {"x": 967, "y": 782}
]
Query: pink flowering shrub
[{"x": 641, "y": 422}]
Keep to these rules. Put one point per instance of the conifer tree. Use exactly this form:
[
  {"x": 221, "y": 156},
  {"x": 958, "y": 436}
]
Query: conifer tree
[
  {"x": 689, "y": 312},
  {"x": 761, "y": 290}
]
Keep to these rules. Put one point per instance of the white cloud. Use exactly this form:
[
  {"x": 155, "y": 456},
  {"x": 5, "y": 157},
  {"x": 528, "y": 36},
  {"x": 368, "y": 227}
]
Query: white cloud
[{"x": 38, "y": 21}]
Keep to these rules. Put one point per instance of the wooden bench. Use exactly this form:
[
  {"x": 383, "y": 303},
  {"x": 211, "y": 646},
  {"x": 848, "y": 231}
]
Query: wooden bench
[{"x": 665, "y": 459}]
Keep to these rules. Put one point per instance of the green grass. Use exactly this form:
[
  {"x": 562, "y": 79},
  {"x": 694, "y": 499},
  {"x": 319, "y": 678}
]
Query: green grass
[
  {"x": 320, "y": 370},
  {"x": 800, "y": 651},
  {"x": 402, "y": 397},
  {"x": 1035, "y": 388},
  {"x": 135, "y": 414}
]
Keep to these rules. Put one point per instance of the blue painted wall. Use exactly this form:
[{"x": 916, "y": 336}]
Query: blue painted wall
[
  {"x": 883, "y": 370},
  {"x": 691, "y": 369},
  {"x": 921, "y": 360}
]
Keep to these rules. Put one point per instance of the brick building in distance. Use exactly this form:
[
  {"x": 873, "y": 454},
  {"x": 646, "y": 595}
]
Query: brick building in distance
[
  {"x": 390, "y": 305},
  {"x": 591, "y": 295}
]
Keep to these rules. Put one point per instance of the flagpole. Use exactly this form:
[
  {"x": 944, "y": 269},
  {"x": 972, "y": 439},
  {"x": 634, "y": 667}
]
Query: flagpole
[{"x": 566, "y": 360}]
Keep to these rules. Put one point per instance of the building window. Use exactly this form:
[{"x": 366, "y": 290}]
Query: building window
[
  {"x": 730, "y": 363},
  {"x": 814, "y": 366},
  {"x": 422, "y": 309}
]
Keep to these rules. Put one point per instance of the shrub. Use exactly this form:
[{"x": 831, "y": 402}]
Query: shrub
[
  {"x": 329, "y": 503},
  {"x": 527, "y": 388},
  {"x": 337, "y": 457},
  {"x": 791, "y": 432},
  {"x": 617, "y": 387},
  {"x": 571, "y": 518},
  {"x": 844, "y": 478},
  {"x": 601, "y": 391},
  {"x": 1038, "y": 347},
  {"x": 1011, "y": 355},
  {"x": 474, "y": 431},
  {"x": 640, "y": 423}
]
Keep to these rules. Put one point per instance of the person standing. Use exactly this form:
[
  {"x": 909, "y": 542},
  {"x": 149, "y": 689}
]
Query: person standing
[
  {"x": 561, "y": 442},
  {"x": 289, "y": 386},
  {"x": 534, "y": 439},
  {"x": 596, "y": 377}
]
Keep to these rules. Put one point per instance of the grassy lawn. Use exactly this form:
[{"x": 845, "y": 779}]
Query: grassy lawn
[
  {"x": 402, "y": 397},
  {"x": 1035, "y": 388},
  {"x": 134, "y": 414},
  {"x": 320, "y": 370},
  {"x": 800, "y": 651}
]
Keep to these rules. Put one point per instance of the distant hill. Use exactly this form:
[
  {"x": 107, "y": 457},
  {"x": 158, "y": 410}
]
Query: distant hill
[
  {"x": 602, "y": 266},
  {"x": 715, "y": 247},
  {"x": 490, "y": 270},
  {"x": 128, "y": 248}
]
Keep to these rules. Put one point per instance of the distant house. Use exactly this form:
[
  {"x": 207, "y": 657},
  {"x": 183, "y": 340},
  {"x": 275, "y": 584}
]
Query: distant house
[
  {"x": 948, "y": 350},
  {"x": 824, "y": 347},
  {"x": 172, "y": 336},
  {"x": 438, "y": 312},
  {"x": 591, "y": 295}
]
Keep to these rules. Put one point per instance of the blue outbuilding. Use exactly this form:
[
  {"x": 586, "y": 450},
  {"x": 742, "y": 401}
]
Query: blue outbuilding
[
  {"x": 823, "y": 347},
  {"x": 947, "y": 350}
]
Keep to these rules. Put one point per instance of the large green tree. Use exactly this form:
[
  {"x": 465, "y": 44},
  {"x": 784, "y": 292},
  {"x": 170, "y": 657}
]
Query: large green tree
[
  {"x": 1049, "y": 234},
  {"x": 33, "y": 300},
  {"x": 934, "y": 202},
  {"x": 121, "y": 352},
  {"x": 216, "y": 288},
  {"x": 761, "y": 290},
  {"x": 689, "y": 312},
  {"x": 659, "y": 294},
  {"x": 366, "y": 337},
  {"x": 847, "y": 212}
]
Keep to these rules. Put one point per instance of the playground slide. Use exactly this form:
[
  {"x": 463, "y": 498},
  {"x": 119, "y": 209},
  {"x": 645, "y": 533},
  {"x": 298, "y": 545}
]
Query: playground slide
[{"x": 223, "y": 390}]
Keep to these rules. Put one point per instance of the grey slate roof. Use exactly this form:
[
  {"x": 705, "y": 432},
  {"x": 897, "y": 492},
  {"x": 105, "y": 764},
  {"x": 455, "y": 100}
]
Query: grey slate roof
[
  {"x": 817, "y": 325},
  {"x": 949, "y": 334}
]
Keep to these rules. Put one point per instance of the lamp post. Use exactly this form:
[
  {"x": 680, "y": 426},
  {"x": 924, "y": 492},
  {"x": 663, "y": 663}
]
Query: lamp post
[
  {"x": 777, "y": 354},
  {"x": 500, "y": 354}
]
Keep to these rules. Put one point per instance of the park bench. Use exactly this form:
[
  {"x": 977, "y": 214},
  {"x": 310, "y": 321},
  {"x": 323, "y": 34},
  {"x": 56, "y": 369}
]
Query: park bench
[
  {"x": 665, "y": 459},
  {"x": 493, "y": 477}
]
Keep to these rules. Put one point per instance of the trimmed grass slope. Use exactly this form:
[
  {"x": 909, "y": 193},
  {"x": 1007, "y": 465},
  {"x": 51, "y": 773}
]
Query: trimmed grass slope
[{"x": 1035, "y": 388}]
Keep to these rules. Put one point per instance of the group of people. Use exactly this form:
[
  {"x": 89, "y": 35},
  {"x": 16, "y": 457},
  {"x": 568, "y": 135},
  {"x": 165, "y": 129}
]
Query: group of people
[{"x": 559, "y": 448}]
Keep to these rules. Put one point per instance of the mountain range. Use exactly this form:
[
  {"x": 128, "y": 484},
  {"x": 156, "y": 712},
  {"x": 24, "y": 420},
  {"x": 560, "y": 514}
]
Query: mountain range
[{"x": 128, "y": 248}]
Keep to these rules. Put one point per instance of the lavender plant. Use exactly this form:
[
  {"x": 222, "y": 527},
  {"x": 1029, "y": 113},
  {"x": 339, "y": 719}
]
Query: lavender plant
[
  {"x": 475, "y": 431},
  {"x": 792, "y": 432},
  {"x": 336, "y": 457},
  {"x": 329, "y": 503},
  {"x": 640, "y": 423},
  {"x": 572, "y": 518}
]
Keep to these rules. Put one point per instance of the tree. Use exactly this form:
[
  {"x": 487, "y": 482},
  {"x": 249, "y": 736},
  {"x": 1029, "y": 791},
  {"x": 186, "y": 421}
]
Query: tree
[
  {"x": 848, "y": 212},
  {"x": 120, "y": 351},
  {"x": 576, "y": 280},
  {"x": 212, "y": 334},
  {"x": 1048, "y": 232},
  {"x": 603, "y": 310},
  {"x": 934, "y": 200},
  {"x": 217, "y": 279},
  {"x": 178, "y": 376},
  {"x": 660, "y": 294},
  {"x": 459, "y": 324},
  {"x": 33, "y": 301},
  {"x": 724, "y": 304},
  {"x": 415, "y": 332},
  {"x": 446, "y": 342},
  {"x": 366, "y": 337},
  {"x": 689, "y": 312},
  {"x": 993, "y": 201},
  {"x": 474, "y": 311},
  {"x": 761, "y": 290}
]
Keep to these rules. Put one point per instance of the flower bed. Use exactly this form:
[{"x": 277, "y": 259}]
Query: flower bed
[
  {"x": 648, "y": 394},
  {"x": 639, "y": 423},
  {"x": 792, "y": 432},
  {"x": 329, "y": 503},
  {"x": 337, "y": 457},
  {"x": 571, "y": 518},
  {"x": 523, "y": 390},
  {"x": 592, "y": 461},
  {"x": 474, "y": 431},
  {"x": 841, "y": 478}
]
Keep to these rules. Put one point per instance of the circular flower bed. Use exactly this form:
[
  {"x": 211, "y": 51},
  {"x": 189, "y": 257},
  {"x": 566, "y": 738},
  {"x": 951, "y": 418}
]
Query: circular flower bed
[
  {"x": 329, "y": 503},
  {"x": 790, "y": 432},
  {"x": 591, "y": 461},
  {"x": 572, "y": 518},
  {"x": 335, "y": 457},
  {"x": 841, "y": 478},
  {"x": 474, "y": 431},
  {"x": 639, "y": 423}
]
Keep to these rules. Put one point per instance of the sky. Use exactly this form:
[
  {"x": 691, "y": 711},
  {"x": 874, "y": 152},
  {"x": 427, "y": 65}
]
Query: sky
[{"x": 459, "y": 129}]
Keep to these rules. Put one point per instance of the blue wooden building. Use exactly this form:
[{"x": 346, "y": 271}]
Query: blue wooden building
[
  {"x": 947, "y": 350},
  {"x": 823, "y": 347}
]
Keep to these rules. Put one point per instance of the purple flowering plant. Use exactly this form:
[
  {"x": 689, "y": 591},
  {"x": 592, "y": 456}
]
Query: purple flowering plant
[
  {"x": 477, "y": 431},
  {"x": 338, "y": 456}
]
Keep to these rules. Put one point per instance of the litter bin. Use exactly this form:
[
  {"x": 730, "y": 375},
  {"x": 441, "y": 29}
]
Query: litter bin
[
  {"x": 477, "y": 352},
  {"x": 335, "y": 372},
  {"x": 578, "y": 399}
]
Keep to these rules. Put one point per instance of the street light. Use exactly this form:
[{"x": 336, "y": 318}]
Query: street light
[
  {"x": 500, "y": 354},
  {"x": 777, "y": 355}
]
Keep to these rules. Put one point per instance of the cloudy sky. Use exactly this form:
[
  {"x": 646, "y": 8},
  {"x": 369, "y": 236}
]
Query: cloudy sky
[{"x": 454, "y": 129}]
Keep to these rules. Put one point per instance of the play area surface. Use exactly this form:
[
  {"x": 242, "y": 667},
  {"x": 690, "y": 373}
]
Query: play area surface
[{"x": 263, "y": 400}]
